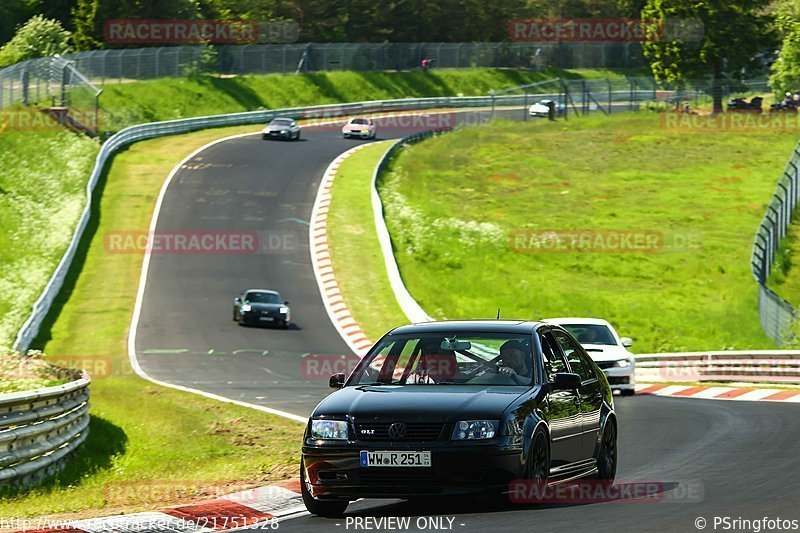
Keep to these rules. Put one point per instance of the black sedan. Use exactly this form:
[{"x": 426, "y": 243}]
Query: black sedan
[
  {"x": 261, "y": 307},
  {"x": 466, "y": 407},
  {"x": 282, "y": 128}
]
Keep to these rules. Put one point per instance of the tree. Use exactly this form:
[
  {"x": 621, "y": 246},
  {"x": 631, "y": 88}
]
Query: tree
[
  {"x": 39, "y": 37},
  {"x": 786, "y": 70},
  {"x": 733, "y": 32},
  {"x": 90, "y": 16},
  {"x": 12, "y": 14}
]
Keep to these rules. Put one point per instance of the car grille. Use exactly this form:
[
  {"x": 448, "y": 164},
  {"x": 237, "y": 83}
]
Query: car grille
[
  {"x": 396, "y": 475},
  {"x": 606, "y": 364},
  {"x": 416, "y": 431},
  {"x": 618, "y": 380}
]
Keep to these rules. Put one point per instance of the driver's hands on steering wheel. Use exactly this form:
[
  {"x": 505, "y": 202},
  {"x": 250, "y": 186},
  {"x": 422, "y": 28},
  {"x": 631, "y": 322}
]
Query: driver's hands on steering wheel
[{"x": 506, "y": 371}]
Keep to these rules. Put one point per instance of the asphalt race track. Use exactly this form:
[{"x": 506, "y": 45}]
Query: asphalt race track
[
  {"x": 186, "y": 335},
  {"x": 712, "y": 458}
]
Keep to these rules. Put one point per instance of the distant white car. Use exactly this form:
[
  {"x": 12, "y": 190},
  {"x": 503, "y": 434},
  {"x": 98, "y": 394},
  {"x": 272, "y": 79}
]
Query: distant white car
[
  {"x": 542, "y": 108},
  {"x": 360, "y": 127},
  {"x": 606, "y": 348}
]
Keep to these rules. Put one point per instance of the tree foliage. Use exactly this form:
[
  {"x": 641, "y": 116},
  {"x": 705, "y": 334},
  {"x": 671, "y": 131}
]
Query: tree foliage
[
  {"x": 733, "y": 33},
  {"x": 39, "y": 37},
  {"x": 786, "y": 70}
]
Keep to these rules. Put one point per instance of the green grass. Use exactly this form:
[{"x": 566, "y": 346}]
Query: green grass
[
  {"x": 355, "y": 250},
  {"x": 454, "y": 204},
  {"x": 171, "y": 98},
  {"x": 41, "y": 198},
  {"x": 143, "y": 435}
]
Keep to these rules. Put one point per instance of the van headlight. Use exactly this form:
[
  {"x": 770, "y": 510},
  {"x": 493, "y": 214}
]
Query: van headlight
[
  {"x": 329, "y": 429},
  {"x": 475, "y": 429},
  {"x": 624, "y": 363}
]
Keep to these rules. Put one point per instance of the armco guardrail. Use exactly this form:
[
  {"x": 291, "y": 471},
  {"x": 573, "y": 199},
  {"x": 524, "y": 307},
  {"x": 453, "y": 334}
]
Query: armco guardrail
[
  {"x": 39, "y": 429},
  {"x": 158, "y": 129},
  {"x": 776, "y": 315},
  {"x": 407, "y": 303},
  {"x": 763, "y": 366}
]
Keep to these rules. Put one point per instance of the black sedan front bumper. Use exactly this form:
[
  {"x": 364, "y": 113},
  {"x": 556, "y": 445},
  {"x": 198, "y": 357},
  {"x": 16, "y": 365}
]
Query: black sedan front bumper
[
  {"x": 456, "y": 468},
  {"x": 259, "y": 319}
]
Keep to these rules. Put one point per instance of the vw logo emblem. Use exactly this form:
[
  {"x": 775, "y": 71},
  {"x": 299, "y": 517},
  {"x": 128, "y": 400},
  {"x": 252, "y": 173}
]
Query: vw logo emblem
[{"x": 397, "y": 430}]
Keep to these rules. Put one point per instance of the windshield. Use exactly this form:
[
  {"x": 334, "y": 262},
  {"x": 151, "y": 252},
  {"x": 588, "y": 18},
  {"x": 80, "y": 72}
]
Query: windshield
[
  {"x": 591, "y": 333},
  {"x": 281, "y": 122},
  {"x": 359, "y": 121},
  {"x": 262, "y": 298},
  {"x": 448, "y": 359}
]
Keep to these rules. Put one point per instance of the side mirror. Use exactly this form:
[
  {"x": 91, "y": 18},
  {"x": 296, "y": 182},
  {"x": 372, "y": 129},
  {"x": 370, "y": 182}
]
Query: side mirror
[
  {"x": 336, "y": 381},
  {"x": 627, "y": 342},
  {"x": 286, "y": 302},
  {"x": 237, "y": 300},
  {"x": 566, "y": 381}
]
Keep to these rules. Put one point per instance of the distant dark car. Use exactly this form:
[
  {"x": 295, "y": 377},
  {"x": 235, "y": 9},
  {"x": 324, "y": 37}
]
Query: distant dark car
[
  {"x": 459, "y": 408},
  {"x": 261, "y": 307},
  {"x": 740, "y": 104},
  {"x": 281, "y": 128}
]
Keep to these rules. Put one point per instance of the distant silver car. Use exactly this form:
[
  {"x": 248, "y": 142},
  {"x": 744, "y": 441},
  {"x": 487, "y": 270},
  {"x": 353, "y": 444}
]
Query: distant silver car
[
  {"x": 361, "y": 127},
  {"x": 285, "y": 129}
]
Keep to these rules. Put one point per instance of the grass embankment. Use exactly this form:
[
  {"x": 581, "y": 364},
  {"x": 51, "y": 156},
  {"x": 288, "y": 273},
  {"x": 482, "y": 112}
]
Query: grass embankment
[
  {"x": 458, "y": 205},
  {"x": 42, "y": 183},
  {"x": 149, "y": 446},
  {"x": 355, "y": 251},
  {"x": 172, "y": 98}
]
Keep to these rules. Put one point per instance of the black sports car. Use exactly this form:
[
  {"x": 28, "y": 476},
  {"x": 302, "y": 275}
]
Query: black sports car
[
  {"x": 261, "y": 307},
  {"x": 448, "y": 408}
]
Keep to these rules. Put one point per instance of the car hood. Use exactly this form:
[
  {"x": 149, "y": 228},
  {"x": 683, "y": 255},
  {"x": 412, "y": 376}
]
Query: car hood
[
  {"x": 277, "y": 128},
  {"x": 605, "y": 352},
  {"x": 538, "y": 107},
  {"x": 356, "y": 127},
  {"x": 442, "y": 403}
]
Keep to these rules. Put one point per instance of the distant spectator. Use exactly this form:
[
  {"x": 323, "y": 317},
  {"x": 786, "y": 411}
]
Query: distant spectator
[{"x": 424, "y": 64}]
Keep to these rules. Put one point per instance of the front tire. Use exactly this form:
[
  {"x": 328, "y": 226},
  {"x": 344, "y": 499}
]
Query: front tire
[
  {"x": 537, "y": 468},
  {"x": 325, "y": 508},
  {"x": 607, "y": 454}
]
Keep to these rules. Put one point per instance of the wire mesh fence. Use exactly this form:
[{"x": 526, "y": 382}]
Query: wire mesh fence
[
  {"x": 120, "y": 65},
  {"x": 777, "y": 316}
]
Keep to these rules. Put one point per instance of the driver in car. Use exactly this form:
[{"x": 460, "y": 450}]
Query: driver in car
[{"x": 514, "y": 356}]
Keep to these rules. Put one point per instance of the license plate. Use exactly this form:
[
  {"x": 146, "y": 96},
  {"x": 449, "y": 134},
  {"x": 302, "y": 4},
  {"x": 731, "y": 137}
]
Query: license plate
[
  {"x": 396, "y": 459},
  {"x": 266, "y": 318}
]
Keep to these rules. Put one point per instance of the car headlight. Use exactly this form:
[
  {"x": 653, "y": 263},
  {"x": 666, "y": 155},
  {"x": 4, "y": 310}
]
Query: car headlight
[
  {"x": 246, "y": 308},
  {"x": 284, "y": 310},
  {"x": 623, "y": 363},
  {"x": 475, "y": 429},
  {"x": 329, "y": 429},
  {"x": 284, "y": 131}
]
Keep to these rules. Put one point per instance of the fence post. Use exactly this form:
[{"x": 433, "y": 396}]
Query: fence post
[{"x": 25, "y": 78}]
